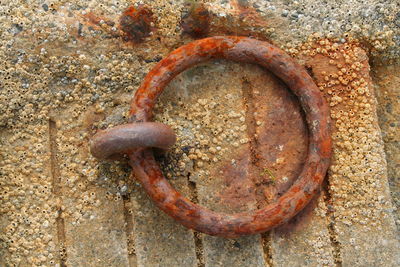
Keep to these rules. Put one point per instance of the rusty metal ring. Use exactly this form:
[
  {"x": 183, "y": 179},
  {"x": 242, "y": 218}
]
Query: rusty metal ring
[
  {"x": 241, "y": 49},
  {"x": 115, "y": 142}
]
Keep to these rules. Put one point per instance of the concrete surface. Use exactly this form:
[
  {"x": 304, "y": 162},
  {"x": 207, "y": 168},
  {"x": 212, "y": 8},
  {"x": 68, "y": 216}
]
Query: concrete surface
[{"x": 68, "y": 71}]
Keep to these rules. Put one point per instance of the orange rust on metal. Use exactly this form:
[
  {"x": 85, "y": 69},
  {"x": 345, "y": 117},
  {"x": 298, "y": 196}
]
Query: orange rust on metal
[
  {"x": 136, "y": 23},
  {"x": 240, "y": 49}
]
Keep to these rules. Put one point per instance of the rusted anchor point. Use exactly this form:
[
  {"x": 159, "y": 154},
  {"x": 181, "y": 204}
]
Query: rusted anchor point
[{"x": 134, "y": 139}]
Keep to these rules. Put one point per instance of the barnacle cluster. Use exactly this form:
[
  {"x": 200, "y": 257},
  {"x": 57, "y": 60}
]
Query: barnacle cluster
[
  {"x": 207, "y": 128},
  {"x": 358, "y": 162}
]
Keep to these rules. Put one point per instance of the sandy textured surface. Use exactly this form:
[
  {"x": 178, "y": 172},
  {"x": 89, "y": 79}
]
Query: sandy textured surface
[{"x": 70, "y": 68}]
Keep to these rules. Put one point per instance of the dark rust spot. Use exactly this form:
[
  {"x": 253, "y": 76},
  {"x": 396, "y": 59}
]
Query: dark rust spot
[
  {"x": 196, "y": 20},
  {"x": 136, "y": 23}
]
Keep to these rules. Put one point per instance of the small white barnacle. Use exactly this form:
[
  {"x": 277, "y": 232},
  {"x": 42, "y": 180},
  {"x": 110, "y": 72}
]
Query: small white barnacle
[{"x": 315, "y": 124}]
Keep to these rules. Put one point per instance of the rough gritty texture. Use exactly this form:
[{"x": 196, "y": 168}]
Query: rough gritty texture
[
  {"x": 358, "y": 162},
  {"x": 305, "y": 241},
  {"x": 220, "y": 174},
  {"x": 154, "y": 247},
  {"x": 66, "y": 73},
  {"x": 387, "y": 90}
]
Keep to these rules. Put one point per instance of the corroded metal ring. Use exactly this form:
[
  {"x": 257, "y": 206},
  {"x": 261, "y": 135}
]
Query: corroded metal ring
[
  {"x": 124, "y": 139},
  {"x": 316, "y": 110}
]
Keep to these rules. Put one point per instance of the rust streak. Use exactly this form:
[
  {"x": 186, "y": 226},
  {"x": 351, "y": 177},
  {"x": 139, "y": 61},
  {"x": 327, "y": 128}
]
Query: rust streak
[
  {"x": 250, "y": 121},
  {"x": 255, "y": 168}
]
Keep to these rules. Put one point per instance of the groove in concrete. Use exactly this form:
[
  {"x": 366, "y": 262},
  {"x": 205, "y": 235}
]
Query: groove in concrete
[
  {"x": 199, "y": 249},
  {"x": 55, "y": 172},
  {"x": 198, "y": 242},
  {"x": 331, "y": 226},
  {"x": 129, "y": 226},
  {"x": 250, "y": 122},
  {"x": 266, "y": 245}
]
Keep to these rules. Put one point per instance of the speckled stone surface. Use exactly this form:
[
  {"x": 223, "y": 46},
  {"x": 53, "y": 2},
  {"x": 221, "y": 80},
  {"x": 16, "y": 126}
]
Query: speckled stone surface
[
  {"x": 387, "y": 89},
  {"x": 68, "y": 71}
]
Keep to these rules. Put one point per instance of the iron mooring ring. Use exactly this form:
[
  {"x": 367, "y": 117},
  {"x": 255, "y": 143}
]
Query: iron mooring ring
[{"x": 148, "y": 172}]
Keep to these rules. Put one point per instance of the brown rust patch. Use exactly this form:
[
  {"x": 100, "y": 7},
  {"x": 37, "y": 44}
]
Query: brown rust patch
[
  {"x": 196, "y": 21},
  {"x": 278, "y": 146},
  {"x": 237, "y": 191},
  {"x": 248, "y": 14},
  {"x": 101, "y": 23},
  {"x": 96, "y": 20},
  {"x": 136, "y": 23},
  {"x": 281, "y": 137}
]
